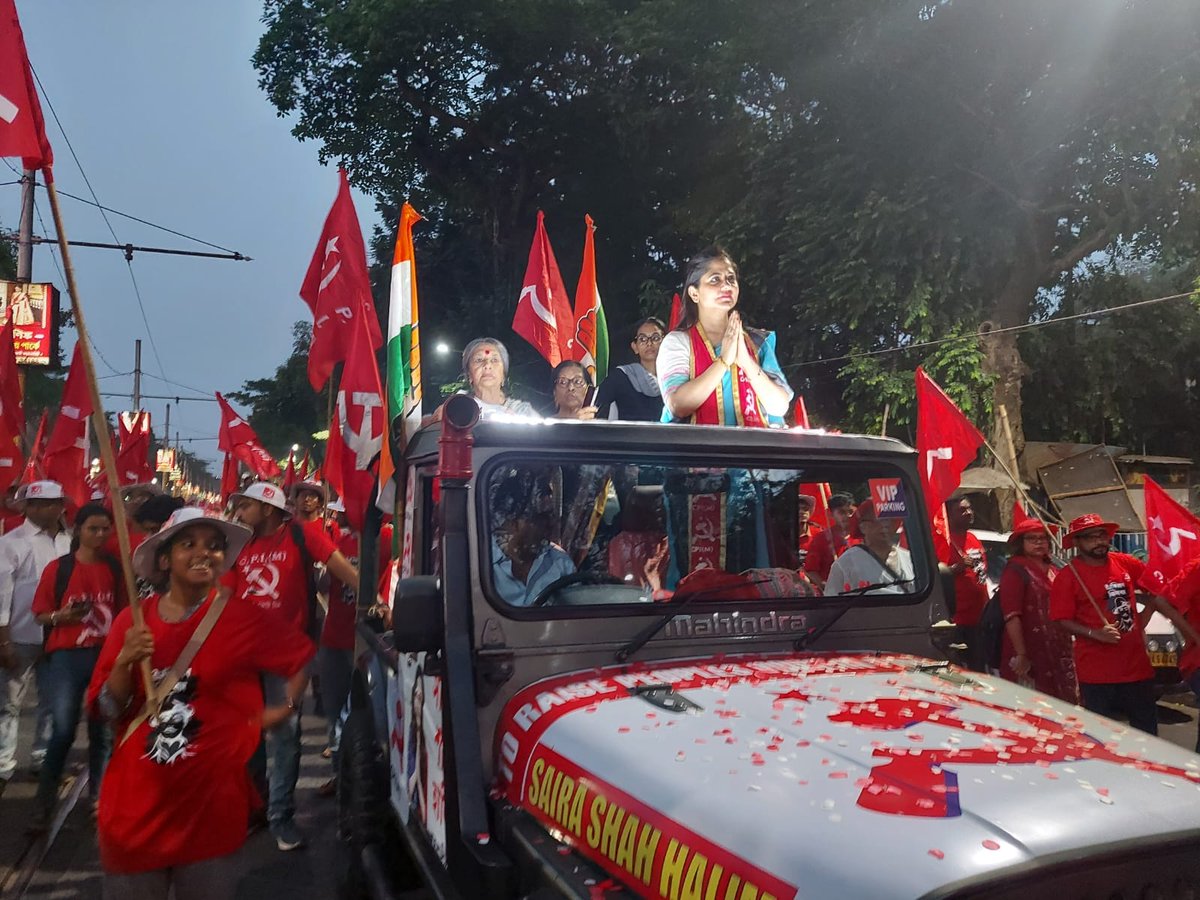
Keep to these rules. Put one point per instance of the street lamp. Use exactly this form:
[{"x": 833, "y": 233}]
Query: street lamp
[{"x": 442, "y": 348}]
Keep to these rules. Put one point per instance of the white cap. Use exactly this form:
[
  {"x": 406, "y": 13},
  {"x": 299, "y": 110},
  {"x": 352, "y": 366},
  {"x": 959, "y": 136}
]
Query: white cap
[
  {"x": 236, "y": 538},
  {"x": 41, "y": 490},
  {"x": 264, "y": 492}
]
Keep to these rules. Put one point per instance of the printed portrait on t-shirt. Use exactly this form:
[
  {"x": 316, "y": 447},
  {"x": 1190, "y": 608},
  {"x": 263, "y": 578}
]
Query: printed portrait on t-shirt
[
  {"x": 1117, "y": 593},
  {"x": 175, "y": 726}
]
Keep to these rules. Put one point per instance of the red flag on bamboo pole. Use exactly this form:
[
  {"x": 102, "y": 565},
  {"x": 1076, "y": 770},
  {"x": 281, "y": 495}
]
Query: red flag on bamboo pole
[
  {"x": 65, "y": 458},
  {"x": 543, "y": 315},
  {"x": 22, "y": 128},
  {"x": 820, "y": 513},
  {"x": 1172, "y": 537},
  {"x": 677, "y": 315},
  {"x": 289, "y": 474},
  {"x": 237, "y": 437},
  {"x": 947, "y": 442},
  {"x": 356, "y": 434},
  {"x": 302, "y": 475},
  {"x": 12, "y": 405},
  {"x": 133, "y": 457},
  {"x": 34, "y": 471},
  {"x": 229, "y": 478},
  {"x": 337, "y": 288}
]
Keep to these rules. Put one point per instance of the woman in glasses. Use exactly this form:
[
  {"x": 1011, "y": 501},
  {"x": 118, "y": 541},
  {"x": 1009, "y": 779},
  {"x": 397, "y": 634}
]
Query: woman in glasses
[
  {"x": 712, "y": 369},
  {"x": 631, "y": 392},
  {"x": 571, "y": 383}
]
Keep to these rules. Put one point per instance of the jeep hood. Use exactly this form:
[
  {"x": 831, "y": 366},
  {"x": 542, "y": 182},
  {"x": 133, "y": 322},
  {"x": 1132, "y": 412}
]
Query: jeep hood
[{"x": 877, "y": 775}]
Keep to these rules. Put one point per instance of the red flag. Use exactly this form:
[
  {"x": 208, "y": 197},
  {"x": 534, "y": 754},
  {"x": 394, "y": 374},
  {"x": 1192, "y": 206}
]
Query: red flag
[
  {"x": 947, "y": 443},
  {"x": 22, "y": 129},
  {"x": 543, "y": 315},
  {"x": 12, "y": 407},
  {"x": 34, "y": 470},
  {"x": 133, "y": 459},
  {"x": 65, "y": 458},
  {"x": 289, "y": 474},
  {"x": 11, "y": 461},
  {"x": 357, "y": 432},
  {"x": 1172, "y": 537},
  {"x": 677, "y": 315},
  {"x": 229, "y": 478},
  {"x": 304, "y": 464},
  {"x": 820, "y": 513},
  {"x": 337, "y": 289},
  {"x": 238, "y": 438}
]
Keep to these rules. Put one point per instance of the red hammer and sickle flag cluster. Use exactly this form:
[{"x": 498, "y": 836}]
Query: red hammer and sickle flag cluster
[
  {"x": 22, "y": 129},
  {"x": 947, "y": 443},
  {"x": 133, "y": 459},
  {"x": 356, "y": 432},
  {"x": 238, "y": 438},
  {"x": 337, "y": 289}
]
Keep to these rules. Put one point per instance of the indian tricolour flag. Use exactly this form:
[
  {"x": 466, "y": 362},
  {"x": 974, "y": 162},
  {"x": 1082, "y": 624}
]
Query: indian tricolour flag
[
  {"x": 403, "y": 352},
  {"x": 591, "y": 328}
]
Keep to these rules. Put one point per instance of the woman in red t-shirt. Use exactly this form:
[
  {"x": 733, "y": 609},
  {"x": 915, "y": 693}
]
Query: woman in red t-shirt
[
  {"x": 177, "y": 796},
  {"x": 77, "y": 618}
]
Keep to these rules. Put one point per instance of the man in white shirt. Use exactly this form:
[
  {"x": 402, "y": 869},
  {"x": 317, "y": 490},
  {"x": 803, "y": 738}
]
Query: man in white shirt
[
  {"x": 24, "y": 554},
  {"x": 878, "y": 561}
]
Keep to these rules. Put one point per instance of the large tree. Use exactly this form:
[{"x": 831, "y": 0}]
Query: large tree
[{"x": 889, "y": 174}]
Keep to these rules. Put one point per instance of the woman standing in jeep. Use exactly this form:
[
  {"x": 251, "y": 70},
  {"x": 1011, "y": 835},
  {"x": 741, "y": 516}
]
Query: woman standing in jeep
[{"x": 712, "y": 369}]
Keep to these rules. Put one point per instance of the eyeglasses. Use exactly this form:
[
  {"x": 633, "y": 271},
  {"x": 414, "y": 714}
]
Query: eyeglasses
[
  {"x": 644, "y": 339},
  {"x": 572, "y": 383}
]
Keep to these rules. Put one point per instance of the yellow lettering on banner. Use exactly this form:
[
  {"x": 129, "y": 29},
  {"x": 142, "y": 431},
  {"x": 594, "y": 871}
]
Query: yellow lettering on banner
[
  {"x": 574, "y": 820},
  {"x": 628, "y": 843},
  {"x": 731, "y": 889},
  {"x": 546, "y": 796},
  {"x": 671, "y": 878},
  {"x": 535, "y": 779},
  {"x": 562, "y": 806},
  {"x": 643, "y": 862},
  {"x": 693, "y": 882},
  {"x": 612, "y": 831},
  {"x": 593, "y": 832},
  {"x": 714, "y": 881}
]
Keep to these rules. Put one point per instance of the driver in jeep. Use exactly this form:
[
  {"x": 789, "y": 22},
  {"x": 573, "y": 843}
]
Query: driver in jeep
[{"x": 525, "y": 560}]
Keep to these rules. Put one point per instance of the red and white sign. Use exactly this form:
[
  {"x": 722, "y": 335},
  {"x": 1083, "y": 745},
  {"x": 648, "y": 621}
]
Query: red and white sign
[
  {"x": 32, "y": 309},
  {"x": 887, "y": 494}
]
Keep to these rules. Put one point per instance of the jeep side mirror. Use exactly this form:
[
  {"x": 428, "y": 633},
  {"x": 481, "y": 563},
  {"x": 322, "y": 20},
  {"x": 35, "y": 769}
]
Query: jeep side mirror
[{"x": 417, "y": 614}]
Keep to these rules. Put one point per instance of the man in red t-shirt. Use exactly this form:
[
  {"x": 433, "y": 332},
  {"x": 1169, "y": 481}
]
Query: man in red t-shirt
[
  {"x": 965, "y": 557},
  {"x": 1094, "y": 599},
  {"x": 276, "y": 572},
  {"x": 808, "y": 530},
  {"x": 831, "y": 543}
]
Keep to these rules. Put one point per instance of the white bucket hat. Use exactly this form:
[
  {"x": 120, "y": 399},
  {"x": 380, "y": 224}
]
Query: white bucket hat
[
  {"x": 236, "y": 537},
  {"x": 264, "y": 492},
  {"x": 41, "y": 490}
]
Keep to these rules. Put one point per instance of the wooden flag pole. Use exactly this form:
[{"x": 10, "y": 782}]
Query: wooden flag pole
[{"x": 100, "y": 427}]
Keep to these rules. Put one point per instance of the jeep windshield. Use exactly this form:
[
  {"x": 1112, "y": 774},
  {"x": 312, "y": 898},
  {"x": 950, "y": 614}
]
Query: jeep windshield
[{"x": 596, "y": 532}]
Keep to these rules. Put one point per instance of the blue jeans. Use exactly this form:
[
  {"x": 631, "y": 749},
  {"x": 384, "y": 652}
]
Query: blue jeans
[
  {"x": 67, "y": 675},
  {"x": 282, "y": 745}
]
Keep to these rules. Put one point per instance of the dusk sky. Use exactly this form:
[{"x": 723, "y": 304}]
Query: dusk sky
[{"x": 163, "y": 109}]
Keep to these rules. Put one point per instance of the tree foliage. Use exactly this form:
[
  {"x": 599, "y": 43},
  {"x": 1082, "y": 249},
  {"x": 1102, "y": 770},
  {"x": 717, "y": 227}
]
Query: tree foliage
[{"x": 887, "y": 174}]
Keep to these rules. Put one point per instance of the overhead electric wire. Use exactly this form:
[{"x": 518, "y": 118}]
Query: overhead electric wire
[
  {"x": 136, "y": 290},
  {"x": 978, "y": 335}
]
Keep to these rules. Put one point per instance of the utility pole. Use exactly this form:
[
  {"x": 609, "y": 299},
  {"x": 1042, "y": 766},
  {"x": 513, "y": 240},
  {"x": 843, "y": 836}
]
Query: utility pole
[
  {"x": 25, "y": 231},
  {"x": 137, "y": 374}
]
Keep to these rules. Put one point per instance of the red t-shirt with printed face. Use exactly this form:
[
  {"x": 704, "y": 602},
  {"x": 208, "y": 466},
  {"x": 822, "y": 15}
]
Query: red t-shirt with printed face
[
  {"x": 270, "y": 571},
  {"x": 970, "y": 585},
  {"x": 338, "y": 631},
  {"x": 1112, "y": 587},
  {"x": 177, "y": 791},
  {"x": 92, "y": 583}
]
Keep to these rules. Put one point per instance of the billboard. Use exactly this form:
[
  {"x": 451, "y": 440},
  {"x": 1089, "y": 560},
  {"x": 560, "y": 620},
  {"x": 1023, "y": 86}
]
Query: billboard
[{"x": 33, "y": 311}]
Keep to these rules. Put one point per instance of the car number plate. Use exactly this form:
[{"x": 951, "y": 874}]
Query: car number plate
[{"x": 1163, "y": 660}]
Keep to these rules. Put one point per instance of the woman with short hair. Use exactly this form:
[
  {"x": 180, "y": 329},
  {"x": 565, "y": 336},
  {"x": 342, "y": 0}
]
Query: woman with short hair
[{"x": 485, "y": 366}]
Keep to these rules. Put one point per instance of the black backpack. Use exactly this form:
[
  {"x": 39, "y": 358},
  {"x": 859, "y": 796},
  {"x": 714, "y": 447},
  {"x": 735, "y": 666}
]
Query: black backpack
[
  {"x": 310, "y": 581},
  {"x": 991, "y": 626}
]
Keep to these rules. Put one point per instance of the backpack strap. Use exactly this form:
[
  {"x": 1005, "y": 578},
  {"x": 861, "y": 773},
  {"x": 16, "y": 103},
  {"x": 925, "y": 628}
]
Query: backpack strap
[
  {"x": 160, "y": 693},
  {"x": 62, "y": 581}
]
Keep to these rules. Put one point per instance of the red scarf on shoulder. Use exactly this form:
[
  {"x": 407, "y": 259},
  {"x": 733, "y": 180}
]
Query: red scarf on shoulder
[{"x": 712, "y": 411}]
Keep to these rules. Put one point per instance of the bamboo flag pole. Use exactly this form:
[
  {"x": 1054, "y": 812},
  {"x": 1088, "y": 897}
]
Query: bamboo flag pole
[
  {"x": 1037, "y": 513},
  {"x": 100, "y": 427}
]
